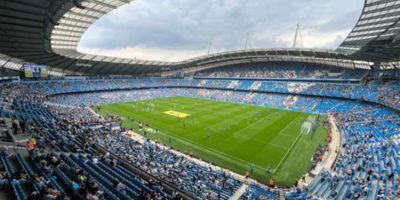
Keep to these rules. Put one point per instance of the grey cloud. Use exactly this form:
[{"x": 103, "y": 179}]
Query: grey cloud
[{"x": 191, "y": 25}]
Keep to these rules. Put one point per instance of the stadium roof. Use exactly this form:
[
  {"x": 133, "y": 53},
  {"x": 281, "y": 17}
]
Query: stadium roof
[
  {"x": 48, "y": 32},
  {"x": 376, "y": 36}
]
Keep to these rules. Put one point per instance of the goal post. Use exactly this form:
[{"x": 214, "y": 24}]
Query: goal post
[{"x": 308, "y": 127}]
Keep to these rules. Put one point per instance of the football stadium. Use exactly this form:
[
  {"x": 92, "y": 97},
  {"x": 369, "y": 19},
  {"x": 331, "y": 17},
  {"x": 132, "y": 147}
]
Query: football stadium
[{"x": 268, "y": 120}]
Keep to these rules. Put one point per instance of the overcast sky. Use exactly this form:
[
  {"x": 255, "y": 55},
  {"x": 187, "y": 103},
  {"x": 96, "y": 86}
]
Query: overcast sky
[{"x": 174, "y": 30}]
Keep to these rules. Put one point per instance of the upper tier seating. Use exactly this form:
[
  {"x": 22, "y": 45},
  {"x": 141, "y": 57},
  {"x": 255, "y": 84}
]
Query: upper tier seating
[{"x": 283, "y": 70}]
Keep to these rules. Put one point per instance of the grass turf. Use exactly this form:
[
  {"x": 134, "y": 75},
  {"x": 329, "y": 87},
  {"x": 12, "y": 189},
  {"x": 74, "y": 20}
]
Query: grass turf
[{"x": 238, "y": 137}]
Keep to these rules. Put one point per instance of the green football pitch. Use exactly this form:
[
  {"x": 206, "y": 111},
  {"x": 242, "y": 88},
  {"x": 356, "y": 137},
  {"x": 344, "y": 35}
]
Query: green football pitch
[{"x": 264, "y": 141}]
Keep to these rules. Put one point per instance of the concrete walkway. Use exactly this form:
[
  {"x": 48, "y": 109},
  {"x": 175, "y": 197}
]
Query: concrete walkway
[{"x": 239, "y": 192}]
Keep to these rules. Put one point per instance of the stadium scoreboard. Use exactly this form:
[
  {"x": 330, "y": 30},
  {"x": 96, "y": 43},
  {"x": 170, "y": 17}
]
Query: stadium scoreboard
[{"x": 35, "y": 71}]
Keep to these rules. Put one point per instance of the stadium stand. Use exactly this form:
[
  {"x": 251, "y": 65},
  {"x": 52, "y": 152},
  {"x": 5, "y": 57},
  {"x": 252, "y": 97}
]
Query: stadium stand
[
  {"x": 366, "y": 168},
  {"x": 375, "y": 91}
]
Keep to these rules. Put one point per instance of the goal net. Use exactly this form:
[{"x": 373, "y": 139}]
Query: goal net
[{"x": 309, "y": 125}]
